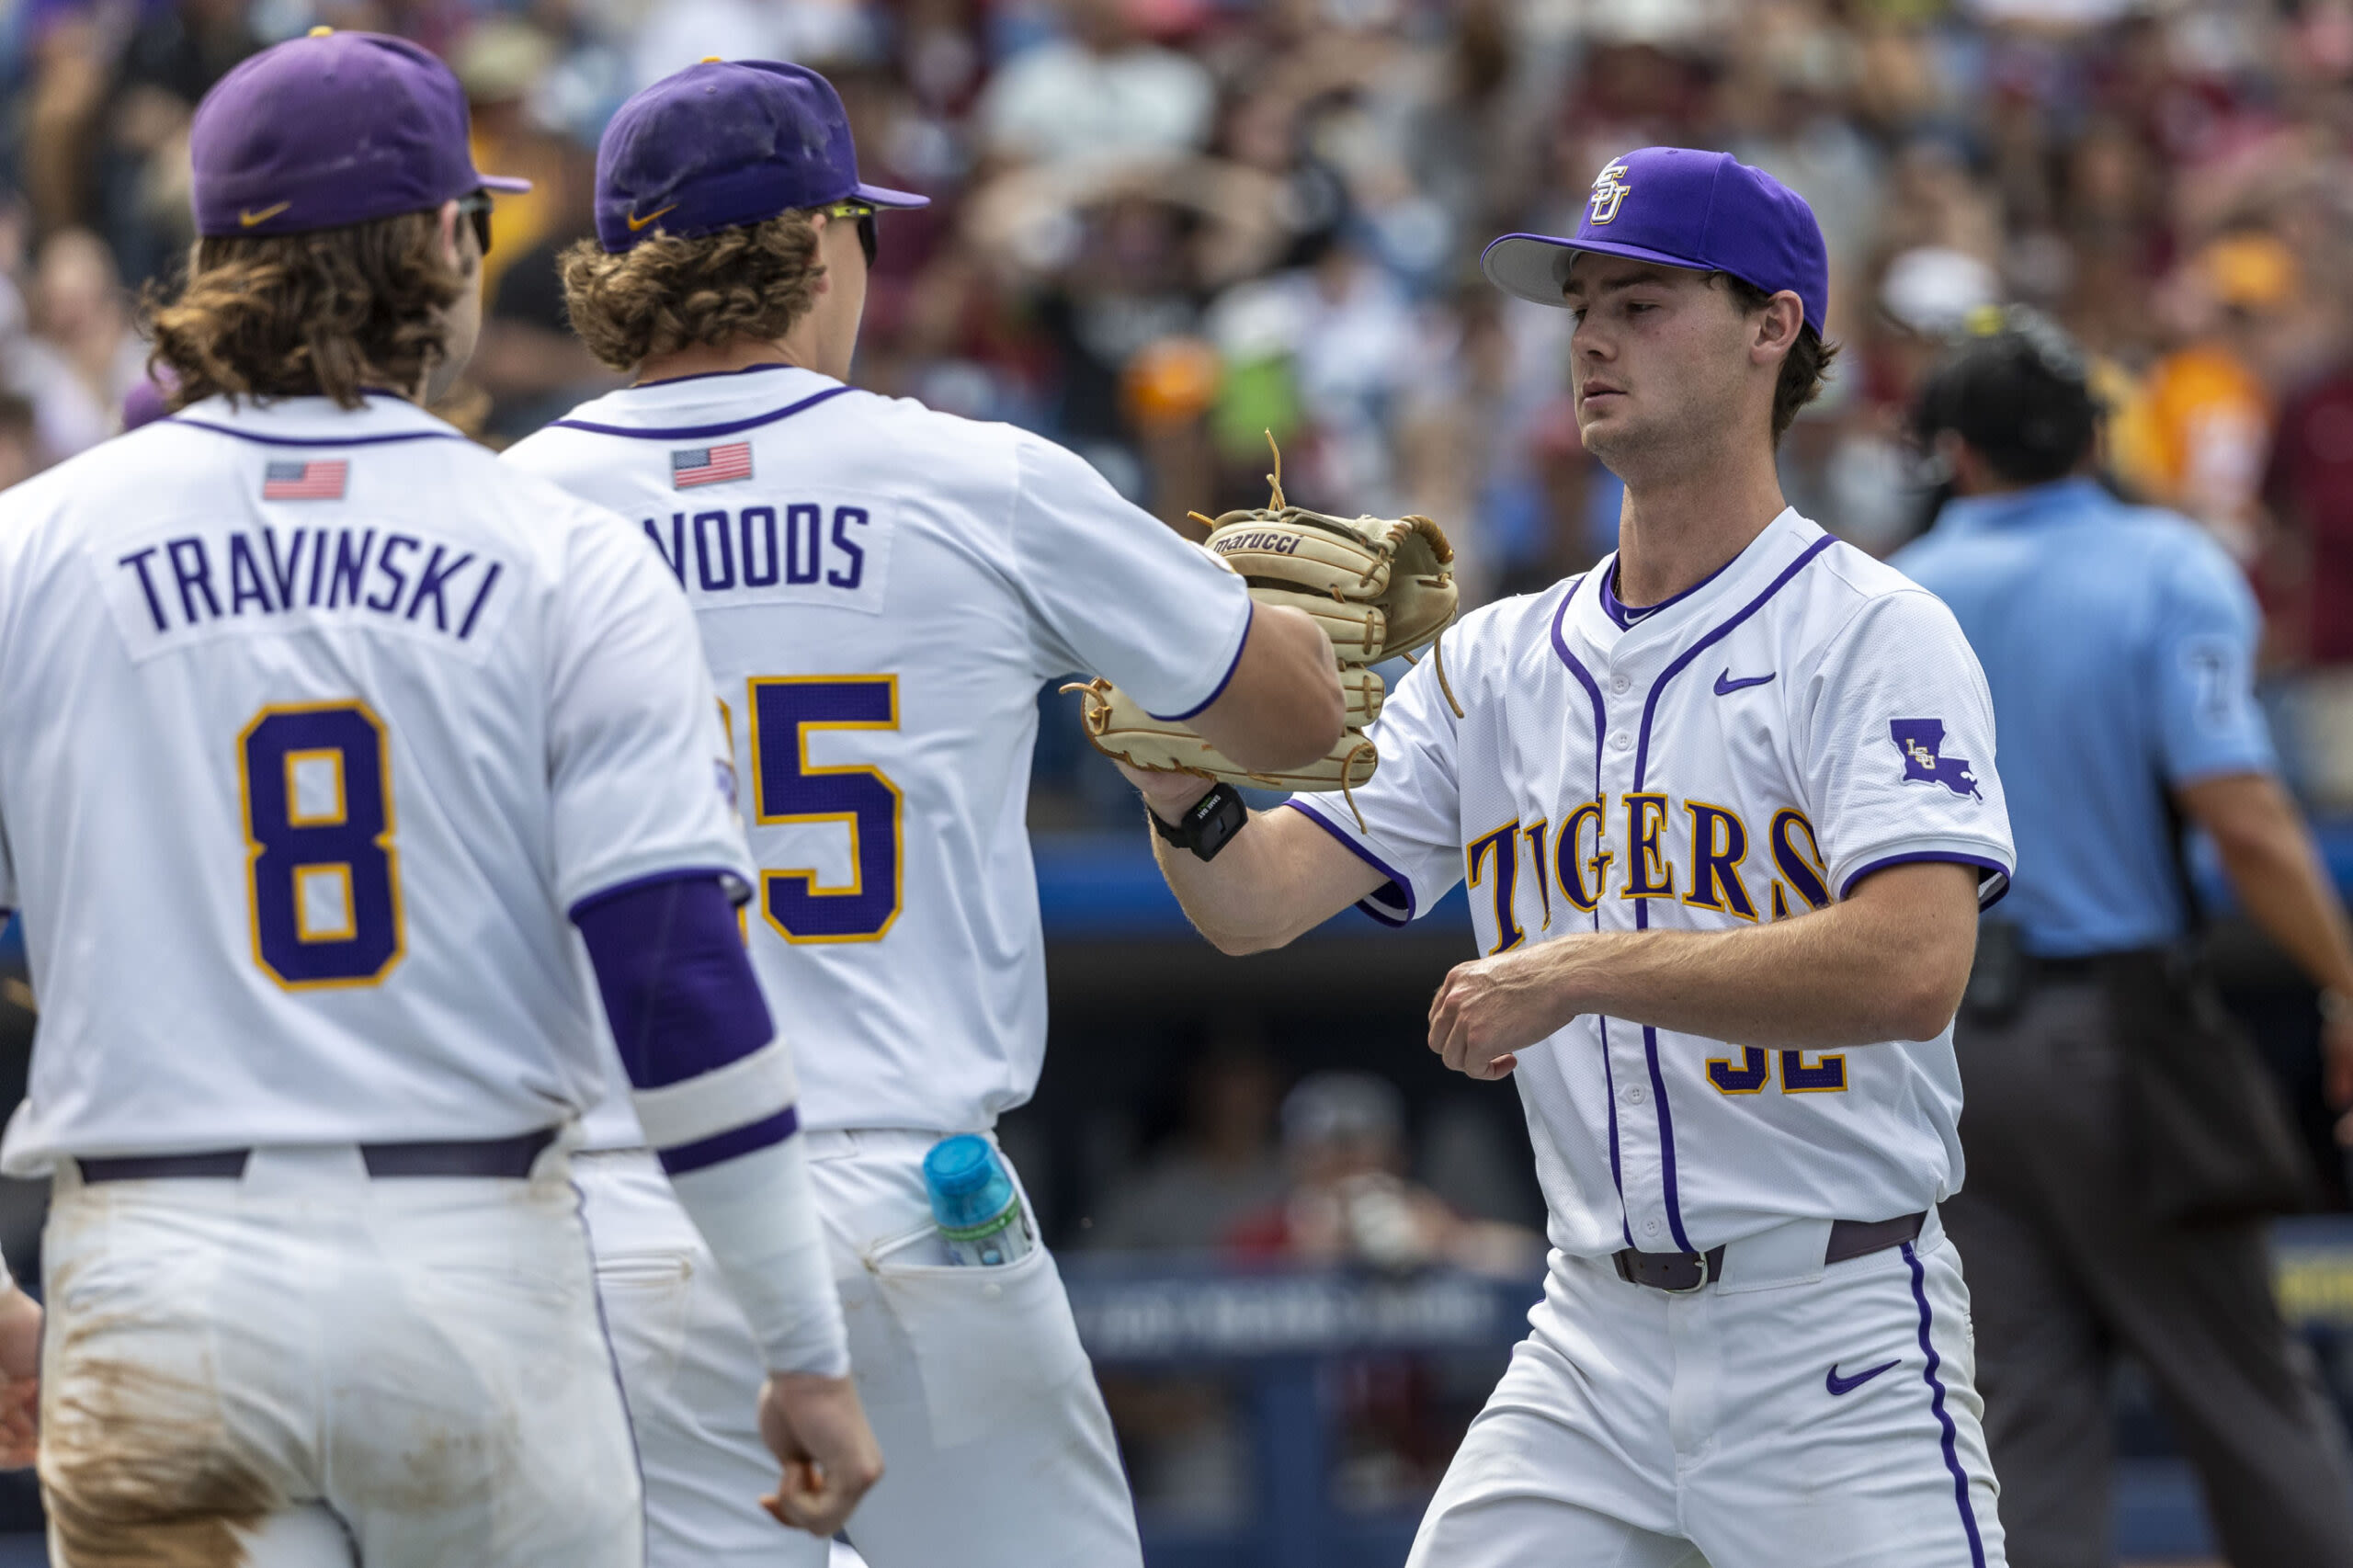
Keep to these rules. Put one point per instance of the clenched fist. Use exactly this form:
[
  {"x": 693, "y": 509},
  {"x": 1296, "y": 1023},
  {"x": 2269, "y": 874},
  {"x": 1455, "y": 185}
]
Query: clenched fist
[{"x": 1489, "y": 1009}]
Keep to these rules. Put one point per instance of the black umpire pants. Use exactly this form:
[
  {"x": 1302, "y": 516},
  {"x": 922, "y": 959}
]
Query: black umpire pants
[{"x": 2065, "y": 1274}]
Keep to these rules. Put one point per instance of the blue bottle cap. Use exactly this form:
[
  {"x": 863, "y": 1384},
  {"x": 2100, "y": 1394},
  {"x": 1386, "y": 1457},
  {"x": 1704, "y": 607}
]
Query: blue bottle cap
[{"x": 967, "y": 1184}]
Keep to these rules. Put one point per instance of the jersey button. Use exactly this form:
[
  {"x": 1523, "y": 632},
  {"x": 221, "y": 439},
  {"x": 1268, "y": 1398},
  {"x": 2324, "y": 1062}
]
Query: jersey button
[
  {"x": 1650, "y": 1227},
  {"x": 1622, "y": 684},
  {"x": 1621, "y": 741},
  {"x": 1634, "y": 1095}
]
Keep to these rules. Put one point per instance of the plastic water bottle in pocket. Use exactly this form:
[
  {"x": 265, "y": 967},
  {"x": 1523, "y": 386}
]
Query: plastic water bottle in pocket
[{"x": 980, "y": 1215}]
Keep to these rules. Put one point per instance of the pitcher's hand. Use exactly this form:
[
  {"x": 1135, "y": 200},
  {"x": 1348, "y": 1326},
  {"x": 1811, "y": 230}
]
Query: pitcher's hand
[
  {"x": 817, "y": 1429},
  {"x": 1488, "y": 1009}
]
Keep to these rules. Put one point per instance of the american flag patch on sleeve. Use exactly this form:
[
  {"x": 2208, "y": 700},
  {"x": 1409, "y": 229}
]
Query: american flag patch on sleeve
[
  {"x": 710, "y": 465},
  {"x": 304, "y": 481}
]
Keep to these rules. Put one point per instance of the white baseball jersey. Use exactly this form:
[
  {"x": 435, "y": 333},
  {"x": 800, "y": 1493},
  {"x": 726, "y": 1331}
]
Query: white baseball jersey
[
  {"x": 1746, "y": 751},
  {"x": 883, "y": 589},
  {"x": 318, "y": 723}
]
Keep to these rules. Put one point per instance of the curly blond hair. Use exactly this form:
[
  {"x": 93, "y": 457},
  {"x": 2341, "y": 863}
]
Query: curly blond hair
[
  {"x": 331, "y": 311},
  {"x": 671, "y": 292}
]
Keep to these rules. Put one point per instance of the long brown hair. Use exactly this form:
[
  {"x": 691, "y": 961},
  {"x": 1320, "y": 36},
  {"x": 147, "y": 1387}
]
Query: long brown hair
[
  {"x": 670, "y": 293},
  {"x": 329, "y": 312}
]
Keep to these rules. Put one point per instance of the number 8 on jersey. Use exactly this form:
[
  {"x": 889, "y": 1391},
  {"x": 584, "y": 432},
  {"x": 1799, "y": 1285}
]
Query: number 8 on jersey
[{"x": 316, "y": 780}]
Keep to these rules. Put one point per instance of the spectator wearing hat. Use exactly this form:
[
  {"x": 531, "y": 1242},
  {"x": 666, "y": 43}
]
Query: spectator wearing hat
[
  {"x": 1344, "y": 1139},
  {"x": 2124, "y": 1145}
]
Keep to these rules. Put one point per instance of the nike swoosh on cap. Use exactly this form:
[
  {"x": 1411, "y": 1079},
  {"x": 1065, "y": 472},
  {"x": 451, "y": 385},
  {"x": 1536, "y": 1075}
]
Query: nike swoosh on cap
[
  {"x": 1838, "y": 1385},
  {"x": 1726, "y": 686},
  {"x": 248, "y": 218},
  {"x": 636, "y": 222}
]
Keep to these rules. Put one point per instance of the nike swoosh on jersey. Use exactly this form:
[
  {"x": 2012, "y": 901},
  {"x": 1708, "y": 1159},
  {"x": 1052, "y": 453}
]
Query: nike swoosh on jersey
[
  {"x": 1726, "y": 686},
  {"x": 636, "y": 222},
  {"x": 1838, "y": 1385},
  {"x": 248, "y": 218}
]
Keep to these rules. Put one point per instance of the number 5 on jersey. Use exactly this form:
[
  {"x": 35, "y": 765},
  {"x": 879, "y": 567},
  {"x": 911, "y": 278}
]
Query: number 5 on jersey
[
  {"x": 787, "y": 788},
  {"x": 321, "y": 870}
]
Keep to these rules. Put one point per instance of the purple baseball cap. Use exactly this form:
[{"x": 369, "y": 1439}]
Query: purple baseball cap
[
  {"x": 329, "y": 129},
  {"x": 726, "y": 144},
  {"x": 1702, "y": 212}
]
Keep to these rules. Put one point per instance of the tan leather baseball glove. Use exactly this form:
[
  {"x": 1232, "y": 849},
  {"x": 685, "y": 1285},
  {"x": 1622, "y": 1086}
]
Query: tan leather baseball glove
[{"x": 1380, "y": 587}]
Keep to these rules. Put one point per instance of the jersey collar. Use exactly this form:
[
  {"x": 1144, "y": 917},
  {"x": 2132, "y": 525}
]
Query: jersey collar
[
  {"x": 1668, "y": 624},
  {"x": 683, "y": 399},
  {"x": 315, "y": 421}
]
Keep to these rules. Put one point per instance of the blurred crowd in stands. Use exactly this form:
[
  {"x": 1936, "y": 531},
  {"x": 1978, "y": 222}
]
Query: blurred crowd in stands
[{"x": 1167, "y": 226}]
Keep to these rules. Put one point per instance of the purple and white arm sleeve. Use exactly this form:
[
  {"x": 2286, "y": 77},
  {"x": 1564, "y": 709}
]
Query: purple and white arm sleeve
[{"x": 714, "y": 1092}]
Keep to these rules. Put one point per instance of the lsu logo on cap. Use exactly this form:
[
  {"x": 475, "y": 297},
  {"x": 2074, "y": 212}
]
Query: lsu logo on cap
[
  {"x": 1609, "y": 190},
  {"x": 1920, "y": 741}
]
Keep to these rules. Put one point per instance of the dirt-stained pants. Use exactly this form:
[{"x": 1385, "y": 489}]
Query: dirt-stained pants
[{"x": 306, "y": 1368}]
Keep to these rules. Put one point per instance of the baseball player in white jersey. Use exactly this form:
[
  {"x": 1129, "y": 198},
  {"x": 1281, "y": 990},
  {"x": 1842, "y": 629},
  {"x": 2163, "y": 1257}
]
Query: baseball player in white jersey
[
  {"x": 321, "y": 723},
  {"x": 1726, "y": 807},
  {"x": 881, "y": 591}
]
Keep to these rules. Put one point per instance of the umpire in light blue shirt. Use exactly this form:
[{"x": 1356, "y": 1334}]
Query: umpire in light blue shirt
[{"x": 2124, "y": 1147}]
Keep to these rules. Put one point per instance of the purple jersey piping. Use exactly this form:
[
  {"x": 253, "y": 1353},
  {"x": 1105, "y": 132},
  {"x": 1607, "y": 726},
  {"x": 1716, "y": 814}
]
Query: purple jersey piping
[
  {"x": 1683, "y": 660},
  {"x": 1628, "y": 616},
  {"x": 1223, "y": 681},
  {"x": 1936, "y": 1406},
  {"x": 1642, "y": 908},
  {"x": 696, "y": 432},
  {"x": 1397, "y": 878},
  {"x": 1600, "y": 727},
  {"x": 612, "y": 1355},
  {"x": 1997, "y": 873},
  {"x": 261, "y": 440}
]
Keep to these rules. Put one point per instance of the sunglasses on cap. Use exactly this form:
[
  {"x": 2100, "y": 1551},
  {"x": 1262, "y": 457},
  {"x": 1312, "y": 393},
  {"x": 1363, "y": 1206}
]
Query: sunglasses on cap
[
  {"x": 864, "y": 212},
  {"x": 476, "y": 208}
]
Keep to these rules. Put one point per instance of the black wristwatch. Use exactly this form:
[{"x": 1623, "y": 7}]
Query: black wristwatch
[{"x": 1207, "y": 825}]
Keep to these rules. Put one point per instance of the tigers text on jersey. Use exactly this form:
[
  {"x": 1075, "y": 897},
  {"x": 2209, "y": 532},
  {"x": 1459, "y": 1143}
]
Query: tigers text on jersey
[
  {"x": 1748, "y": 750},
  {"x": 882, "y": 590},
  {"x": 318, "y": 723}
]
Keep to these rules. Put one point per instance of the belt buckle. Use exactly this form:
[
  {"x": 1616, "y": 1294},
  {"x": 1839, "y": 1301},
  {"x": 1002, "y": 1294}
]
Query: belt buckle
[
  {"x": 1699, "y": 1260},
  {"x": 1652, "y": 1269}
]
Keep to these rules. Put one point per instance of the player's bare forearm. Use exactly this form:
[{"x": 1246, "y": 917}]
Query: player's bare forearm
[
  {"x": 1281, "y": 708},
  {"x": 1889, "y": 962},
  {"x": 2274, "y": 867},
  {"x": 1280, "y": 877}
]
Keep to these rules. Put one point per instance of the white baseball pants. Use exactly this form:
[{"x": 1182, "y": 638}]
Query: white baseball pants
[
  {"x": 304, "y": 1368},
  {"x": 996, "y": 1449},
  {"x": 1792, "y": 1416}
]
